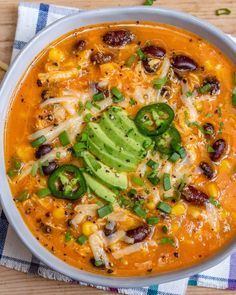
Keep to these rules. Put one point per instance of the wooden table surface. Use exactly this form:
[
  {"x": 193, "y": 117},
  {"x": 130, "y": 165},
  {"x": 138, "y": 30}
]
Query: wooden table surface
[{"x": 13, "y": 282}]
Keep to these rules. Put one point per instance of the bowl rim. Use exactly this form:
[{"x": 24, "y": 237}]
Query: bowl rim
[{"x": 8, "y": 205}]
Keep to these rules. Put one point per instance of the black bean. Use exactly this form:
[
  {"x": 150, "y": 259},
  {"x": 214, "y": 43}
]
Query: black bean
[
  {"x": 80, "y": 45},
  {"x": 43, "y": 150},
  {"x": 214, "y": 85},
  {"x": 154, "y": 51},
  {"x": 39, "y": 83},
  {"x": 194, "y": 196},
  {"x": 101, "y": 58},
  {"x": 207, "y": 169},
  {"x": 48, "y": 170},
  {"x": 139, "y": 233},
  {"x": 219, "y": 147},
  {"x": 150, "y": 64},
  {"x": 118, "y": 38},
  {"x": 209, "y": 130},
  {"x": 110, "y": 228},
  {"x": 183, "y": 63}
]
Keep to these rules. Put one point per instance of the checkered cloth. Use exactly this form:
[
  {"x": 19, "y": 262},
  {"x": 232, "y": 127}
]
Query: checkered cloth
[{"x": 13, "y": 254}]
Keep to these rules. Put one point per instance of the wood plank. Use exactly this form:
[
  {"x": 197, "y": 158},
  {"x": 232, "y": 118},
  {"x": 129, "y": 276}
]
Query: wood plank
[{"x": 16, "y": 283}]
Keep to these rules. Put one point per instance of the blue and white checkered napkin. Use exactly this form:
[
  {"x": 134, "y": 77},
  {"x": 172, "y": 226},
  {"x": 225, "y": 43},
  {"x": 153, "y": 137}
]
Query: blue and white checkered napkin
[{"x": 13, "y": 254}]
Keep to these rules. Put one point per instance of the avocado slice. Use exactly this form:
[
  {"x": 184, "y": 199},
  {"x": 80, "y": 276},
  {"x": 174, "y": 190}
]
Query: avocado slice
[
  {"x": 110, "y": 160},
  {"x": 120, "y": 138},
  {"x": 99, "y": 189},
  {"x": 104, "y": 173},
  {"x": 96, "y": 135},
  {"x": 121, "y": 119}
]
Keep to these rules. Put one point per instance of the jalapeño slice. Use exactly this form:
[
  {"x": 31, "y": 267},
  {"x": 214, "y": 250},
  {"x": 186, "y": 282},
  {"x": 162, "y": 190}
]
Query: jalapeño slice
[
  {"x": 154, "y": 119},
  {"x": 166, "y": 143},
  {"x": 67, "y": 182}
]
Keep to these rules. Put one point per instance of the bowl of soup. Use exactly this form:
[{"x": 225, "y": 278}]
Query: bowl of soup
[{"x": 118, "y": 146}]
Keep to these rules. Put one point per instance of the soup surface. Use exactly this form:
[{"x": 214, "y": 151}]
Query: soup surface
[{"x": 120, "y": 149}]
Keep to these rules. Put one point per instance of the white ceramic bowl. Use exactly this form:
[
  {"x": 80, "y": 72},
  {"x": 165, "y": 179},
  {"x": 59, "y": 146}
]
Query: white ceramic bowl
[{"x": 13, "y": 76}]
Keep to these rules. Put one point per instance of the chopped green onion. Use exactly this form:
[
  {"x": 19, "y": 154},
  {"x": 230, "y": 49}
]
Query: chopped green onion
[
  {"x": 98, "y": 96},
  {"x": 23, "y": 196},
  {"x": 209, "y": 115},
  {"x": 82, "y": 239},
  {"x": 81, "y": 108},
  {"x": 43, "y": 192},
  {"x": 105, "y": 210},
  {"x": 149, "y": 2},
  {"x": 182, "y": 152},
  {"x": 159, "y": 83},
  {"x": 154, "y": 179},
  {"x": 139, "y": 211},
  {"x": 140, "y": 54},
  {"x": 221, "y": 127},
  {"x": 117, "y": 95},
  {"x": 12, "y": 172},
  {"x": 189, "y": 93},
  {"x": 58, "y": 155},
  {"x": 132, "y": 193},
  {"x": 234, "y": 97},
  {"x": 222, "y": 11},
  {"x": 64, "y": 138},
  {"x": 166, "y": 182},
  {"x": 164, "y": 229},
  {"x": 166, "y": 240},
  {"x": 137, "y": 180},
  {"x": 88, "y": 105},
  {"x": 210, "y": 149},
  {"x": 214, "y": 202},
  {"x": 84, "y": 136},
  {"x": 98, "y": 263},
  {"x": 130, "y": 61},
  {"x": 152, "y": 164},
  {"x": 174, "y": 157},
  {"x": 205, "y": 88},
  {"x": 152, "y": 220},
  {"x": 88, "y": 117},
  {"x": 164, "y": 207},
  {"x": 34, "y": 170},
  {"x": 68, "y": 237},
  {"x": 39, "y": 141},
  {"x": 132, "y": 102}
]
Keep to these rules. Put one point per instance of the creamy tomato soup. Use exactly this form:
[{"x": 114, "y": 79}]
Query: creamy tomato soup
[{"x": 120, "y": 148}]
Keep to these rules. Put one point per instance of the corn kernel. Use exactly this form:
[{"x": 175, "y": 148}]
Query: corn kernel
[
  {"x": 124, "y": 261},
  {"x": 224, "y": 214},
  {"x": 224, "y": 165},
  {"x": 179, "y": 209},
  {"x": 175, "y": 227},
  {"x": 108, "y": 68},
  {"x": 56, "y": 55},
  {"x": 59, "y": 213},
  {"x": 25, "y": 153},
  {"x": 208, "y": 65},
  {"x": 199, "y": 106},
  {"x": 194, "y": 212},
  {"x": 151, "y": 205},
  {"x": 213, "y": 190},
  {"x": 88, "y": 228}
]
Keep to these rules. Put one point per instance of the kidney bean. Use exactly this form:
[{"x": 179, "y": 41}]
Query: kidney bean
[
  {"x": 183, "y": 63},
  {"x": 194, "y": 196},
  {"x": 80, "y": 45},
  {"x": 207, "y": 169},
  {"x": 118, "y": 38},
  {"x": 101, "y": 58},
  {"x": 150, "y": 64},
  {"x": 154, "y": 51},
  {"x": 214, "y": 83},
  {"x": 47, "y": 170},
  {"x": 43, "y": 150},
  {"x": 139, "y": 233},
  {"x": 209, "y": 130},
  {"x": 110, "y": 228},
  {"x": 219, "y": 147}
]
